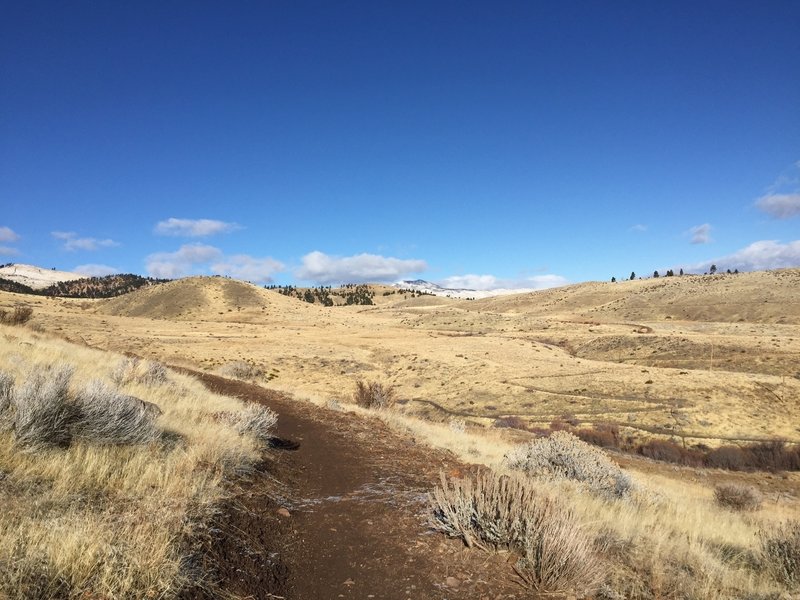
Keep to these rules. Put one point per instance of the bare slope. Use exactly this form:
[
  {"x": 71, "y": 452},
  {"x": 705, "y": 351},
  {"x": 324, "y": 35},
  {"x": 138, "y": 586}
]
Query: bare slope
[
  {"x": 204, "y": 299},
  {"x": 757, "y": 297}
]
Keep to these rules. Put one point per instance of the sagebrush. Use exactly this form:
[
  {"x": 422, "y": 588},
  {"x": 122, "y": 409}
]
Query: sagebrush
[
  {"x": 494, "y": 511},
  {"x": 780, "y": 548},
  {"x": 738, "y": 497},
  {"x": 564, "y": 456},
  {"x": 373, "y": 394}
]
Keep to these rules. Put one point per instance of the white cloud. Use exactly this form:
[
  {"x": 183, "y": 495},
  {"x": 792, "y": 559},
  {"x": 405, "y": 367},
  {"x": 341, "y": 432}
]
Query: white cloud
[
  {"x": 182, "y": 262},
  {"x": 322, "y": 268},
  {"x": 639, "y": 228},
  {"x": 780, "y": 206},
  {"x": 72, "y": 242},
  {"x": 194, "y": 227},
  {"x": 701, "y": 234},
  {"x": 199, "y": 259},
  {"x": 7, "y": 251},
  {"x": 490, "y": 282},
  {"x": 8, "y": 235},
  {"x": 471, "y": 282},
  {"x": 243, "y": 266},
  {"x": 758, "y": 256},
  {"x": 93, "y": 270}
]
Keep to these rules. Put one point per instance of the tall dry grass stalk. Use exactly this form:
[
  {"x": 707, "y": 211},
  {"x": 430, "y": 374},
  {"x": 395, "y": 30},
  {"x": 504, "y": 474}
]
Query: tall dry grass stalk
[{"x": 105, "y": 512}]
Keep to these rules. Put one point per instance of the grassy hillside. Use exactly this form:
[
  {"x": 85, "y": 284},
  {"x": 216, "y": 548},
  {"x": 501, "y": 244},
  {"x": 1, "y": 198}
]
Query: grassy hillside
[{"x": 91, "y": 510}]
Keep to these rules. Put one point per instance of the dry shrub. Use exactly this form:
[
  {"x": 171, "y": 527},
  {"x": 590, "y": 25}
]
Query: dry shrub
[
  {"x": 738, "y": 497},
  {"x": 605, "y": 435},
  {"x": 780, "y": 550},
  {"x": 255, "y": 420},
  {"x": 240, "y": 369},
  {"x": 727, "y": 457},
  {"x": 505, "y": 511},
  {"x": 669, "y": 451},
  {"x": 564, "y": 456},
  {"x": 373, "y": 394},
  {"x": 42, "y": 411},
  {"x": 511, "y": 422},
  {"x": 105, "y": 416},
  {"x": 135, "y": 370},
  {"x": 19, "y": 316},
  {"x": 6, "y": 383}
]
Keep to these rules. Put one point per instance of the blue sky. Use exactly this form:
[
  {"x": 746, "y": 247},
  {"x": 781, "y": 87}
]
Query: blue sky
[{"x": 481, "y": 144}]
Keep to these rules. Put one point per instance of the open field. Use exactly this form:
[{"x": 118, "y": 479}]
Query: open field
[
  {"x": 705, "y": 359},
  {"x": 646, "y": 355}
]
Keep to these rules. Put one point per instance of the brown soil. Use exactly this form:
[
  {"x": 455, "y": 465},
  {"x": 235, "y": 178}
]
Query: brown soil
[{"x": 356, "y": 527}]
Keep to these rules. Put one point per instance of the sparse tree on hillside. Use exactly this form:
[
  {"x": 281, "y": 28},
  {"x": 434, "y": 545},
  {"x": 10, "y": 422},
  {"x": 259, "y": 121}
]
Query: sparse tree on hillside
[
  {"x": 613, "y": 280},
  {"x": 681, "y": 273},
  {"x": 655, "y": 274},
  {"x": 713, "y": 269},
  {"x": 633, "y": 275}
]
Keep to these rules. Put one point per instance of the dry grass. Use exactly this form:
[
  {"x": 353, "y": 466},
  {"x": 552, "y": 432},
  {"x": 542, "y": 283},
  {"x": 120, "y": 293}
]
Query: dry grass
[
  {"x": 495, "y": 511},
  {"x": 780, "y": 547},
  {"x": 90, "y": 519}
]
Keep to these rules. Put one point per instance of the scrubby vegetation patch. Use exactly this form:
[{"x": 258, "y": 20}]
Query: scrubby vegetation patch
[
  {"x": 564, "y": 456},
  {"x": 494, "y": 511}
]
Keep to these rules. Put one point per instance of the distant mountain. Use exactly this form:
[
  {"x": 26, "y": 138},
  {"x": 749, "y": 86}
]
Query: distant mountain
[
  {"x": 29, "y": 279},
  {"x": 35, "y": 277},
  {"x": 426, "y": 287},
  {"x": 109, "y": 286}
]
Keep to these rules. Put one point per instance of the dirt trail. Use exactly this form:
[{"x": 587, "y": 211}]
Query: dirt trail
[{"x": 356, "y": 496}]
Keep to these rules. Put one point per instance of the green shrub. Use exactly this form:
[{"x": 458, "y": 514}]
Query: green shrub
[{"x": 564, "y": 456}]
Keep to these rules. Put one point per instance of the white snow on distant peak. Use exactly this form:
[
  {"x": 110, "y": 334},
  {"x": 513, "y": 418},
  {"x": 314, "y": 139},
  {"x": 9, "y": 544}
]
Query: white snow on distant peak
[
  {"x": 36, "y": 277},
  {"x": 420, "y": 285}
]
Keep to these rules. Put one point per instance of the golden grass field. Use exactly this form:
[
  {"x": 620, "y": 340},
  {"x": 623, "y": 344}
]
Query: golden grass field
[{"x": 703, "y": 359}]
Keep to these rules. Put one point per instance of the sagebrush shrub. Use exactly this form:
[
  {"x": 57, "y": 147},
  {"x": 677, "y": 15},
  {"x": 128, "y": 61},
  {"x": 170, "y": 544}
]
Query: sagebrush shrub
[
  {"x": 738, "y": 497},
  {"x": 240, "y": 369},
  {"x": 373, "y": 394},
  {"x": 42, "y": 411},
  {"x": 255, "y": 419},
  {"x": 564, "y": 456},
  {"x": 780, "y": 550},
  {"x": 135, "y": 370},
  {"x": 495, "y": 511},
  {"x": 6, "y": 385},
  {"x": 106, "y": 416},
  {"x": 19, "y": 316}
]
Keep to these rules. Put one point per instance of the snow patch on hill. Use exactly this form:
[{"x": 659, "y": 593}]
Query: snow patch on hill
[
  {"x": 420, "y": 285},
  {"x": 36, "y": 277}
]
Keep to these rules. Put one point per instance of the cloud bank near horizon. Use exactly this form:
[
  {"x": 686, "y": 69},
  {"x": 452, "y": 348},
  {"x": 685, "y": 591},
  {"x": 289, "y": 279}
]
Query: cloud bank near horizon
[
  {"x": 486, "y": 283},
  {"x": 202, "y": 259},
  {"x": 360, "y": 268},
  {"x": 758, "y": 256}
]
